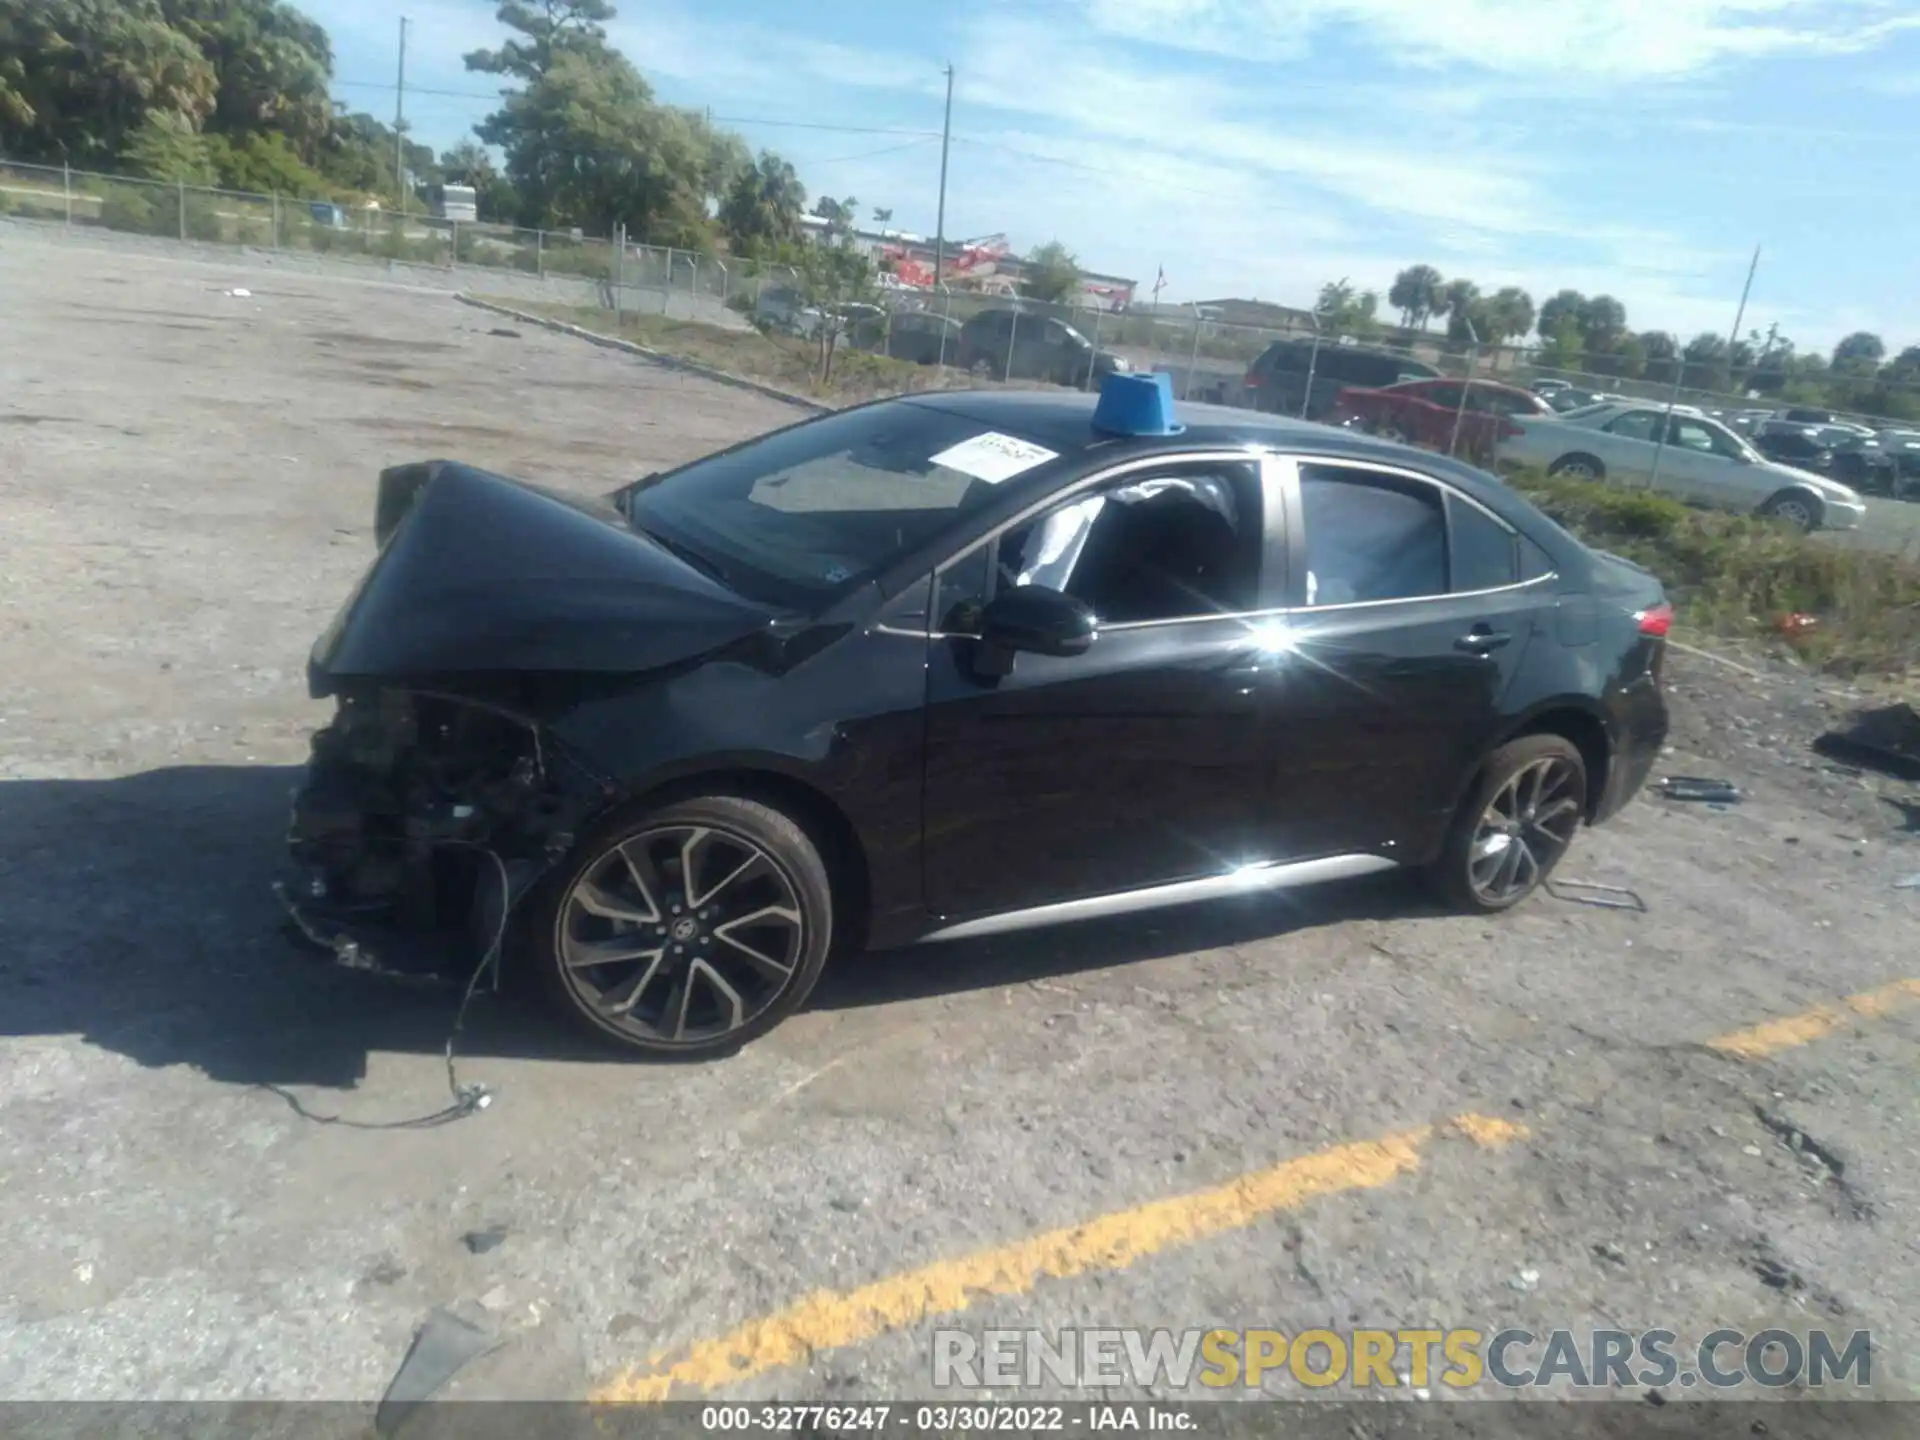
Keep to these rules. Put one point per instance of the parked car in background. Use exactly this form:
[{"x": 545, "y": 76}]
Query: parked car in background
[
  {"x": 923, "y": 337},
  {"x": 1022, "y": 345},
  {"x": 944, "y": 666},
  {"x": 779, "y": 307},
  {"x": 1795, "y": 445},
  {"x": 1547, "y": 387},
  {"x": 1571, "y": 398},
  {"x": 1277, "y": 380},
  {"x": 1748, "y": 421},
  {"x": 1701, "y": 462},
  {"x": 1425, "y": 412}
]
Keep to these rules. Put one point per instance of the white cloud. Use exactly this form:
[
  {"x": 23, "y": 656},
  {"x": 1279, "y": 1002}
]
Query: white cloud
[{"x": 1586, "y": 39}]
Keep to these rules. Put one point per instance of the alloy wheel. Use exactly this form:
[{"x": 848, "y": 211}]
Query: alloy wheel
[
  {"x": 1525, "y": 829},
  {"x": 1391, "y": 432},
  {"x": 681, "y": 935},
  {"x": 1577, "y": 470}
]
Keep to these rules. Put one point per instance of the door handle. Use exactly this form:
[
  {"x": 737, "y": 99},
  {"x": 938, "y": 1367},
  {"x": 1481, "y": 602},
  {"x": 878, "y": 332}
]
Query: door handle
[{"x": 1482, "y": 640}]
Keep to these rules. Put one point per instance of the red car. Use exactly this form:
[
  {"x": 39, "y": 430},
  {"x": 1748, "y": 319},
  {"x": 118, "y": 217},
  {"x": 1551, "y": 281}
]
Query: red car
[{"x": 1422, "y": 412}]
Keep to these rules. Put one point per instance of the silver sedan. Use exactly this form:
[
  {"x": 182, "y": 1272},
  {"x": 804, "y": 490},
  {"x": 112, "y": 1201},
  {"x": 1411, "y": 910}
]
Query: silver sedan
[{"x": 1701, "y": 461}]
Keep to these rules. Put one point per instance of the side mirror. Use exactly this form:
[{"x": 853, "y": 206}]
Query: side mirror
[{"x": 1036, "y": 620}]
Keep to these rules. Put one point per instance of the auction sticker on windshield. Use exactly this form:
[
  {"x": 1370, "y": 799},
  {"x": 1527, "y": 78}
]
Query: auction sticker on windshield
[{"x": 993, "y": 457}]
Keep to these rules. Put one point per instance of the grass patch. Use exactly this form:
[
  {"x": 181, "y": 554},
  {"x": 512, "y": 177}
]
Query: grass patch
[
  {"x": 1737, "y": 577},
  {"x": 785, "y": 361}
]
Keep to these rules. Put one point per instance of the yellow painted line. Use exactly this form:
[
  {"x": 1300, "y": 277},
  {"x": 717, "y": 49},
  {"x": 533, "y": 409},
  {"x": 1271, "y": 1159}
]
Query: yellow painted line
[
  {"x": 830, "y": 1319},
  {"x": 1756, "y": 1042}
]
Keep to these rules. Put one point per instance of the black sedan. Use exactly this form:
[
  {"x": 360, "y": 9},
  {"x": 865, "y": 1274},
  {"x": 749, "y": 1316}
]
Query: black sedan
[{"x": 946, "y": 666}]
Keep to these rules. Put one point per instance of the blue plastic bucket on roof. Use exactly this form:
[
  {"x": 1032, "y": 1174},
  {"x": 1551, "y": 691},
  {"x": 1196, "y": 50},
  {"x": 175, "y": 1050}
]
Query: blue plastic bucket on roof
[{"x": 1136, "y": 404}]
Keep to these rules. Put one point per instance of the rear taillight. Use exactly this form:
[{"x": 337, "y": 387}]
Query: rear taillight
[{"x": 1655, "y": 620}]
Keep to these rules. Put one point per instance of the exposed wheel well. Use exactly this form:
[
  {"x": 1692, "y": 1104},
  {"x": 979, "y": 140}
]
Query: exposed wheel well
[
  {"x": 1588, "y": 734},
  {"x": 1815, "y": 506},
  {"x": 824, "y": 822}
]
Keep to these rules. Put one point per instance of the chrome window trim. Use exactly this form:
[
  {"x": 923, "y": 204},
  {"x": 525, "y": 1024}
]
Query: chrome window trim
[{"x": 1447, "y": 491}]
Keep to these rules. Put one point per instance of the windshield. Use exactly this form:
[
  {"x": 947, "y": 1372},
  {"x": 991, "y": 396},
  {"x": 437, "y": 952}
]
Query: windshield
[{"x": 802, "y": 516}]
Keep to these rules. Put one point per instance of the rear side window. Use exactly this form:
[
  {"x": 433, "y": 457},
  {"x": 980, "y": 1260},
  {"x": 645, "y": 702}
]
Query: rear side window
[
  {"x": 1371, "y": 537},
  {"x": 1485, "y": 553}
]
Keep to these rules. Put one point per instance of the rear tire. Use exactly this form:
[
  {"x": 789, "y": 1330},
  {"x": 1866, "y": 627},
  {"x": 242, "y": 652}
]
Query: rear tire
[
  {"x": 1515, "y": 826},
  {"x": 1578, "y": 467},
  {"x": 685, "y": 931}
]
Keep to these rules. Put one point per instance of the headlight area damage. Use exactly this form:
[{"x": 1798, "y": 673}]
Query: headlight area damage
[
  {"x": 423, "y": 820},
  {"x": 440, "y": 793}
]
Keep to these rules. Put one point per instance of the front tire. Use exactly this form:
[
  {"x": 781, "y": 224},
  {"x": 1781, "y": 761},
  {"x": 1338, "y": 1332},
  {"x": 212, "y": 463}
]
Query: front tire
[
  {"x": 1797, "y": 508},
  {"x": 1517, "y": 824},
  {"x": 686, "y": 931}
]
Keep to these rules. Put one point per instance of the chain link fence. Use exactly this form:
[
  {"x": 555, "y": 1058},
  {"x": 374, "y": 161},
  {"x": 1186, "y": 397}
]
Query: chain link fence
[{"x": 1297, "y": 366}]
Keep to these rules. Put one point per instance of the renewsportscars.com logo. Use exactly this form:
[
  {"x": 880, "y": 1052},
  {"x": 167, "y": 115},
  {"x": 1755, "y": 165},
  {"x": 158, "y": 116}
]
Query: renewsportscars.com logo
[{"x": 1460, "y": 1359}]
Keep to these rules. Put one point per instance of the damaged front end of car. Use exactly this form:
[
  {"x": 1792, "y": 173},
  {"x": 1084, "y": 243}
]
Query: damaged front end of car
[
  {"x": 439, "y": 794},
  {"x": 423, "y": 820}
]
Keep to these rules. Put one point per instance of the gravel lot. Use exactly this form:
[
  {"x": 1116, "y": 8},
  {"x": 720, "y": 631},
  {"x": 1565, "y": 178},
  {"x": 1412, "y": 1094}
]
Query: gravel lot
[{"x": 185, "y": 495}]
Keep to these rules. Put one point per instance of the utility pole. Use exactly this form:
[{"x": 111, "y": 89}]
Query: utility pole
[
  {"x": 1680, "y": 371},
  {"x": 399, "y": 124},
  {"x": 940, "y": 221}
]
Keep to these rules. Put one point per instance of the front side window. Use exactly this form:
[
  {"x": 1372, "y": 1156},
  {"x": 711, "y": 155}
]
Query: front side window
[
  {"x": 801, "y": 516},
  {"x": 1183, "y": 544},
  {"x": 1371, "y": 537},
  {"x": 1635, "y": 425}
]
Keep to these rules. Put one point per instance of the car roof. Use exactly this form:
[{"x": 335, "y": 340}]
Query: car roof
[{"x": 1063, "y": 421}]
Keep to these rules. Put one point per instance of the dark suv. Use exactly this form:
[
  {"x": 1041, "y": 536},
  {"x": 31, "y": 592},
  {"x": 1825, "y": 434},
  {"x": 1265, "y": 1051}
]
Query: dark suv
[
  {"x": 1020, "y": 345},
  {"x": 1277, "y": 379}
]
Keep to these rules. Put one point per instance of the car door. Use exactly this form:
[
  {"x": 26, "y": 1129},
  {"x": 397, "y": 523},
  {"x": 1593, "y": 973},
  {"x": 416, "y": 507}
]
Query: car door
[
  {"x": 1408, "y": 619},
  {"x": 1135, "y": 763},
  {"x": 1710, "y": 465},
  {"x": 1625, "y": 444}
]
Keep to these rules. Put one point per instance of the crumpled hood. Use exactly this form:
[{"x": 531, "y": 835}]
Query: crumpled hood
[{"x": 483, "y": 574}]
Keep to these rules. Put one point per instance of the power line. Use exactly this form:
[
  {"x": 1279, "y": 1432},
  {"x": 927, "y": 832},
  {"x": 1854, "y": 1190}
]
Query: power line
[{"x": 871, "y": 154}]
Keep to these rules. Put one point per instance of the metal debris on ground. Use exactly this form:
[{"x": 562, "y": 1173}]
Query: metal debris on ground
[
  {"x": 443, "y": 1346},
  {"x": 1886, "y": 739},
  {"x": 1697, "y": 787},
  {"x": 1587, "y": 892}
]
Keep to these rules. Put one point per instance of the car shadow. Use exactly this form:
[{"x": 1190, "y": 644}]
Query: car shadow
[{"x": 138, "y": 914}]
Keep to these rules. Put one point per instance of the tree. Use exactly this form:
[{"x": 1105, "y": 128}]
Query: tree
[
  {"x": 1505, "y": 315},
  {"x": 1561, "y": 305},
  {"x": 546, "y": 30},
  {"x": 1415, "y": 293},
  {"x": 830, "y": 277},
  {"x": 882, "y": 215},
  {"x": 1860, "y": 350},
  {"x": 1346, "y": 311},
  {"x": 1562, "y": 347},
  {"x": 762, "y": 208},
  {"x": 839, "y": 214},
  {"x": 1053, "y": 275},
  {"x": 1658, "y": 349},
  {"x": 1706, "y": 362},
  {"x": 1603, "y": 320},
  {"x": 584, "y": 140},
  {"x": 167, "y": 147},
  {"x": 358, "y": 157},
  {"x": 272, "y": 66},
  {"x": 1456, "y": 302},
  {"x": 79, "y": 77}
]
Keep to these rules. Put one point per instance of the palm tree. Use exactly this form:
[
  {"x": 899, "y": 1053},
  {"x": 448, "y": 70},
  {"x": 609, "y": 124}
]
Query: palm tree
[{"x": 1416, "y": 294}]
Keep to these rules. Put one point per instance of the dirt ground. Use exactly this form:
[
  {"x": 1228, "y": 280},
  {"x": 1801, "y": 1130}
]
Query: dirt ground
[{"x": 186, "y": 490}]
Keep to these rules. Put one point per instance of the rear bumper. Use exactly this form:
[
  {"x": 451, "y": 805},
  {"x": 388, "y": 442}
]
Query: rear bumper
[{"x": 1641, "y": 730}]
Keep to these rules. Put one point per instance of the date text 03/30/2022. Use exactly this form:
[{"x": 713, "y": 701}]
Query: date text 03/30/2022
[{"x": 941, "y": 1419}]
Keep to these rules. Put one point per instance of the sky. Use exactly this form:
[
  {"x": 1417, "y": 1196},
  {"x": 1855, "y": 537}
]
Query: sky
[{"x": 1259, "y": 148}]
